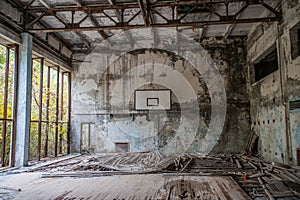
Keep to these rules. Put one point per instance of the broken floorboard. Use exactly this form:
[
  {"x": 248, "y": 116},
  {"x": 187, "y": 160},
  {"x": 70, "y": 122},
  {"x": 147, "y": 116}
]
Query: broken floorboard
[
  {"x": 150, "y": 186},
  {"x": 259, "y": 179}
]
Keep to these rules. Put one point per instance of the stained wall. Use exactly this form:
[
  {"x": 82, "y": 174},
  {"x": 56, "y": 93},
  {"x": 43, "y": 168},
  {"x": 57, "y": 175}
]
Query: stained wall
[
  {"x": 271, "y": 118},
  {"x": 103, "y": 96}
]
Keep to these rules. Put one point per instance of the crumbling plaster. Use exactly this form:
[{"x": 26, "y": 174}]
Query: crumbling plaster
[
  {"x": 103, "y": 95},
  {"x": 271, "y": 119}
]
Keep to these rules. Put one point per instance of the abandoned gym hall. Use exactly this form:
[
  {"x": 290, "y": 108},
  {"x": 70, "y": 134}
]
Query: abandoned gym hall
[{"x": 150, "y": 99}]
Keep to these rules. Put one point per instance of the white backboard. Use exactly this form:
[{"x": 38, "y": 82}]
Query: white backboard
[{"x": 152, "y": 99}]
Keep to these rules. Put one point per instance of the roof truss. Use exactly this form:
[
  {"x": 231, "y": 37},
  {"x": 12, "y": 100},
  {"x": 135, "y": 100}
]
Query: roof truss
[{"x": 146, "y": 11}]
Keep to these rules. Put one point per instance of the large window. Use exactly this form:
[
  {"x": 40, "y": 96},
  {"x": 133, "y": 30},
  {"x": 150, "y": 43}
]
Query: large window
[
  {"x": 266, "y": 64},
  {"x": 50, "y": 106},
  {"x": 7, "y": 96},
  {"x": 49, "y": 130}
]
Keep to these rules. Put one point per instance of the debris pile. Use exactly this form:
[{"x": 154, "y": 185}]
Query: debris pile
[{"x": 259, "y": 179}]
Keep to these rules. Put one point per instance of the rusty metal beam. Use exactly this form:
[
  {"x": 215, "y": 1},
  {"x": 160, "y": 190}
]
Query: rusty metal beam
[
  {"x": 93, "y": 20},
  {"x": 17, "y": 3},
  {"x": 96, "y": 23},
  {"x": 230, "y": 27},
  {"x": 153, "y": 30},
  {"x": 144, "y": 9},
  {"x": 202, "y": 33},
  {"x": 100, "y": 8},
  {"x": 228, "y": 31},
  {"x": 120, "y": 17},
  {"x": 36, "y": 19},
  {"x": 162, "y": 25},
  {"x": 64, "y": 21},
  {"x": 45, "y": 25},
  {"x": 270, "y": 8},
  {"x": 29, "y": 4},
  {"x": 46, "y": 3},
  {"x": 81, "y": 8}
]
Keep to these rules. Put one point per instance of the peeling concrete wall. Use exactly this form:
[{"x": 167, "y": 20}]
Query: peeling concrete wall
[
  {"x": 103, "y": 94},
  {"x": 231, "y": 61},
  {"x": 271, "y": 119}
]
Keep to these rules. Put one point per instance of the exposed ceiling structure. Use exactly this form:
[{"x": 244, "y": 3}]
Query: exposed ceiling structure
[{"x": 82, "y": 23}]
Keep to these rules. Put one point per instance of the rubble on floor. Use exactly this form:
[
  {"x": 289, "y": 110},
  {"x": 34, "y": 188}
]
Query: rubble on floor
[
  {"x": 259, "y": 179},
  {"x": 126, "y": 162}
]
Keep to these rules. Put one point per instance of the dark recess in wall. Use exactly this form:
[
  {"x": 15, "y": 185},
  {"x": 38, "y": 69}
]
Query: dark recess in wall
[
  {"x": 295, "y": 40},
  {"x": 267, "y": 65},
  {"x": 294, "y": 105}
]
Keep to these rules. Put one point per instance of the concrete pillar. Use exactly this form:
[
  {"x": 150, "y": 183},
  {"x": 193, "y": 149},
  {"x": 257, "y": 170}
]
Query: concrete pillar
[{"x": 24, "y": 101}]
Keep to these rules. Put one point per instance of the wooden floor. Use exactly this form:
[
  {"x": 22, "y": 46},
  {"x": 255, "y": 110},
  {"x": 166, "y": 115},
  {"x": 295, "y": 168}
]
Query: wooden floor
[
  {"x": 150, "y": 176},
  {"x": 144, "y": 186}
]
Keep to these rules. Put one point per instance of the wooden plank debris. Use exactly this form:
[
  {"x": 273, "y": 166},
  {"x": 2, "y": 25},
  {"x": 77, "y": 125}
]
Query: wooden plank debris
[
  {"x": 270, "y": 197},
  {"x": 238, "y": 163},
  {"x": 253, "y": 174},
  {"x": 257, "y": 175},
  {"x": 251, "y": 143},
  {"x": 52, "y": 162}
]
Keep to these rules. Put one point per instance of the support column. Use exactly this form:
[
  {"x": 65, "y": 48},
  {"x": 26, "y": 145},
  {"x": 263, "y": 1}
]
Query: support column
[{"x": 24, "y": 101}]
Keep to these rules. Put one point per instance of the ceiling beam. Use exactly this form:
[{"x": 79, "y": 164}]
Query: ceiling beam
[
  {"x": 228, "y": 31},
  {"x": 16, "y": 3},
  {"x": 162, "y": 25},
  {"x": 202, "y": 33},
  {"x": 230, "y": 27},
  {"x": 146, "y": 9},
  {"x": 45, "y": 3},
  {"x": 42, "y": 23},
  {"x": 64, "y": 21},
  {"x": 58, "y": 36},
  {"x": 120, "y": 17},
  {"x": 93, "y": 20},
  {"x": 136, "y": 5},
  {"x": 154, "y": 30}
]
